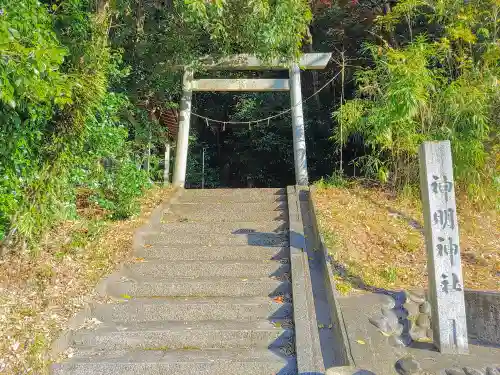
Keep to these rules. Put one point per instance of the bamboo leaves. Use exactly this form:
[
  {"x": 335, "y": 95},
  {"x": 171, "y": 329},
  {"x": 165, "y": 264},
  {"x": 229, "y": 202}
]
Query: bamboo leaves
[{"x": 438, "y": 86}]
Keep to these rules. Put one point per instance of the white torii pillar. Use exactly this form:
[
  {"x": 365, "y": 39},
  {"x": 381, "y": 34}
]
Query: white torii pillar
[
  {"x": 249, "y": 62},
  {"x": 299, "y": 136},
  {"x": 181, "y": 152}
]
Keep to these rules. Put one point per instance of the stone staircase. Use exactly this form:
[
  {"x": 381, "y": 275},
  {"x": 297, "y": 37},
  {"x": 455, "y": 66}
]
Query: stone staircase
[{"x": 209, "y": 293}]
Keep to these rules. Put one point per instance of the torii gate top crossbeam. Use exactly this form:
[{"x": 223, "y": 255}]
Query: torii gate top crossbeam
[{"x": 308, "y": 61}]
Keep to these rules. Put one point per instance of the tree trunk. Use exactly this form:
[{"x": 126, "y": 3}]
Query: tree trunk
[
  {"x": 102, "y": 7},
  {"x": 139, "y": 25},
  {"x": 314, "y": 73},
  {"x": 392, "y": 37}
]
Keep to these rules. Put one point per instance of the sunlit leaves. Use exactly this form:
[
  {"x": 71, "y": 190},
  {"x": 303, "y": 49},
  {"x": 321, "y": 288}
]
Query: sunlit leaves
[
  {"x": 463, "y": 33},
  {"x": 266, "y": 28},
  {"x": 441, "y": 86},
  {"x": 31, "y": 57},
  {"x": 57, "y": 121},
  {"x": 404, "y": 10}
]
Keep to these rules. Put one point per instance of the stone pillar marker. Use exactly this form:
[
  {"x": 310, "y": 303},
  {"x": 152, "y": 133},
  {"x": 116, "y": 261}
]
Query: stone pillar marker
[{"x": 446, "y": 287}]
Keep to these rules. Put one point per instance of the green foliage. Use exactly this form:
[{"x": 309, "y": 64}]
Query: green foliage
[
  {"x": 266, "y": 28},
  {"x": 335, "y": 180},
  {"x": 442, "y": 84},
  {"x": 105, "y": 163},
  {"x": 83, "y": 85},
  {"x": 390, "y": 274},
  {"x": 31, "y": 57},
  {"x": 58, "y": 124},
  {"x": 195, "y": 166},
  {"x": 32, "y": 89},
  {"x": 120, "y": 188}
]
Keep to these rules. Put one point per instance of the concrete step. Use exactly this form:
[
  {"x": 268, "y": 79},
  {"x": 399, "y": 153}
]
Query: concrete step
[
  {"x": 193, "y": 252},
  {"x": 247, "y": 193},
  {"x": 207, "y": 287},
  {"x": 182, "y": 335},
  {"x": 237, "y": 198},
  {"x": 199, "y": 298},
  {"x": 195, "y": 268},
  {"x": 230, "y": 212},
  {"x": 232, "y": 206},
  {"x": 215, "y": 238},
  {"x": 192, "y": 309},
  {"x": 230, "y": 228},
  {"x": 162, "y": 362}
]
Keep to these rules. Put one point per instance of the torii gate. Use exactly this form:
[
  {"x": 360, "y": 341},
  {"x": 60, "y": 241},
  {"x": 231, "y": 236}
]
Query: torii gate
[{"x": 308, "y": 61}]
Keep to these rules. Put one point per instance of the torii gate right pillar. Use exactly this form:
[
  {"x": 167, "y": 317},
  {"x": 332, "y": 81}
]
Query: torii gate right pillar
[{"x": 299, "y": 137}]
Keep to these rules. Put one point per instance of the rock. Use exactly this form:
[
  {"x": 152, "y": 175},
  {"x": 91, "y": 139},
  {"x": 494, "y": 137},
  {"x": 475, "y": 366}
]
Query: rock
[
  {"x": 430, "y": 333},
  {"x": 395, "y": 342},
  {"x": 392, "y": 319},
  {"x": 454, "y": 371},
  {"x": 381, "y": 323},
  {"x": 399, "y": 330},
  {"x": 471, "y": 371},
  {"x": 492, "y": 371},
  {"x": 412, "y": 308},
  {"x": 388, "y": 302},
  {"x": 387, "y": 323},
  {"x": 425, "y": 308},
  {"x": 423, "y": 321},
  {"x": 407, "y": 366},
  {"x": 386, "y": 311},
  {"x": 418, "y": 333},
  {"x": 416, "y": 295}
]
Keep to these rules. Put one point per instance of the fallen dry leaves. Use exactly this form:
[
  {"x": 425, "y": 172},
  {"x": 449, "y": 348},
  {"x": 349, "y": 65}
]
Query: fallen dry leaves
[
  {"x": 40, "y": 292},
  {"x": 278, "y": 299},
  {"x": 376, "y": 240}
]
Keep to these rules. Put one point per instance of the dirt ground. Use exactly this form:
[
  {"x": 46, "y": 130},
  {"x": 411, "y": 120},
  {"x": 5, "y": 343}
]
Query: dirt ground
[
  {"x": 40, "y": 291},
  {"x": 376, "y": 240}
]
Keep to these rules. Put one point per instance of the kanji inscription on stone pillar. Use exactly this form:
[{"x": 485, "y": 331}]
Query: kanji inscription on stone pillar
[{"x": 446, "y": 286}]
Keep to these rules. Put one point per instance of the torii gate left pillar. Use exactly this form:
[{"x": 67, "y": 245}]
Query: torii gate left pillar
[
  {"x": 181, "y": 151},
  {"x": 246, "y": 62}
]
